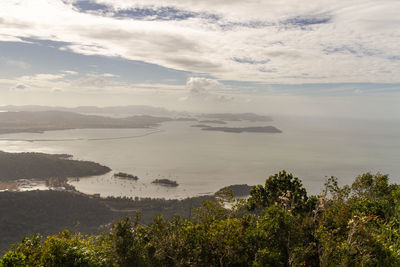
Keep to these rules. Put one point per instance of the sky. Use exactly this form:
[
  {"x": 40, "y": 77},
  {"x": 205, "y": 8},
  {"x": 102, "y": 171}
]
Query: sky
[{"x": 314, "y": 58}]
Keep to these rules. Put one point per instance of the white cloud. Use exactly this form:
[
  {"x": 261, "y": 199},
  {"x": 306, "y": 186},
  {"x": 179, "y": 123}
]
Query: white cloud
[
  {"x": 205, "y": 89},
  {"x": 44, "y": 77},
  {"x": 18, "y": 63},
  {"x": 92, "y": 81},
  {"x": 37, "y": 82},
  {"x": 256, "y": 40},
  {"x": 110, "y": 75},
  {"x": 19, "y": 87},
  {"x": 70, "y": 72},
  {"x": 200, "y": 85},
  {"x": 56, "y": 90}
]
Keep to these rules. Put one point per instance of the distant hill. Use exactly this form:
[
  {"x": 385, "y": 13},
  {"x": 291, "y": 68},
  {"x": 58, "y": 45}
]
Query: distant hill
[
  {"x": 49, "y": 212},
  {"x": 39, "y": 121},
  {"x": 238, "y": 117},
  {"x": 120, "y": 110}
]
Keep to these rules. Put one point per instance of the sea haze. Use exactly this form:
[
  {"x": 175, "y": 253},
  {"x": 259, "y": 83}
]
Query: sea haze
[{"x": 204, "y": 161}]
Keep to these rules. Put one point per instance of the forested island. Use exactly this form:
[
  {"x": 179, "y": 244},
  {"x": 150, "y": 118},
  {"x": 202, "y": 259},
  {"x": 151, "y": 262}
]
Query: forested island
[
  {"x": 213, "y": 121},
  {"x": 200, "y": 125},
  {"x": 165, "y": 182},
  {"x": 238, "y": 190},
  {"x": 278, "y": 225},
  {"x": 238, "y": 117},
  {"x": 124, "y": 175},
  {"x": 256, "y": 129}
]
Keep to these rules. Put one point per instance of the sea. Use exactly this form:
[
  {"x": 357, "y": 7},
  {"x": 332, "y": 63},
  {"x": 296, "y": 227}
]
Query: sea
[{"x": 202, "y": 162}]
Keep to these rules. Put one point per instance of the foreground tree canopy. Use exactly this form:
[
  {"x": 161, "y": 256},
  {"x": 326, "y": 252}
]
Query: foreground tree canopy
[{"x": 278, "y": 225}]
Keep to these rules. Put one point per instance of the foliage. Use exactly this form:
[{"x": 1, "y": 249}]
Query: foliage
[
  {"x": 280, "y": 189},
  {"x": 279, "y": 225}
]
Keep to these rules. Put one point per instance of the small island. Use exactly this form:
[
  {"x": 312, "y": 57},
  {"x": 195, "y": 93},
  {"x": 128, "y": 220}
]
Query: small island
[
  {"x": 124, "y": 175},
  {"x": 165, "y": 182},
  {"x": 200, "y": 126},
  {"x": 255, "y": 129},
  {"x": 213, "y": 121},
  {"x": 238, "y": 117},
  {"x": 238, "y": 190}
]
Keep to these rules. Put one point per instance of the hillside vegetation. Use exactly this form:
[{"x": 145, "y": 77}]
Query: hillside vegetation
[
  {"x": 278, "y": 225},
  {"x": 49, "y": 212}
]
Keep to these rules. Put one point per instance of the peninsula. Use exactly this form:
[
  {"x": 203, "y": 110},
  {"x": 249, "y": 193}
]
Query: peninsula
[{"x": 41, "y": 166}]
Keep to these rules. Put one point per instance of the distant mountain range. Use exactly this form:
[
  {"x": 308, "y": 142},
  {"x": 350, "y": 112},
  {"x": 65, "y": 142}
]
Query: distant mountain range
[
  {"x": 39, "y": 121},
  {"x": 238, "y": 117},
  {"x": 14, "y": 119},
  {"x": 112, "y": 110},
  {"x": 125, "y": 111}
]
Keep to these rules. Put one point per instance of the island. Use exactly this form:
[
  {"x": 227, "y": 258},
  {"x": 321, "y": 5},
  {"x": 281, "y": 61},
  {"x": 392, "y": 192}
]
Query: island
[
  {"x": 165, "y": 182},
  {"x": 255, "y": 129},
  {"x": 124, "y": 175},
  {"x": 238, "y": 190},
  {"x": 213, "y": 121},
  {"x": 185, "y": 119},
  {"x": 200, "y": 125},
  {"x": 238, "y": 117}
]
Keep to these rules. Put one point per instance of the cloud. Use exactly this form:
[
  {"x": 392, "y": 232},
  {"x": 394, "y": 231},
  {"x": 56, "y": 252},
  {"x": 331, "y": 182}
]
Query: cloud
[
  {"x": 19, "y": 87},
  {"x": 92, "y": 81},
  {"x": 56, "y": 90},
  {"x": 18, "y": 63},
  {"x": 45, "y": 77},
  {"x": 70, "y": 72},
  {"x": 110, "y": 75},
  {"x": 38, "y": 82},
  {"x": 199, "y": 85},
  {"x": 329, "y": 41},
  {"x": 201, "y": 88},
  {"x": 225, "y": 98}
]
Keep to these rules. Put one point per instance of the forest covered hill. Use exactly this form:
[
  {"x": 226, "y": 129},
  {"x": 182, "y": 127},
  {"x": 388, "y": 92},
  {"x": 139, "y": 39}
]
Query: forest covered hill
[
  {"x": 48, "y": 212},
  {"x": 32, "y": 165}
]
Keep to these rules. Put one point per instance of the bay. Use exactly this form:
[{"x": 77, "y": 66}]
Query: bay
[{"x": 204, "y": 161}]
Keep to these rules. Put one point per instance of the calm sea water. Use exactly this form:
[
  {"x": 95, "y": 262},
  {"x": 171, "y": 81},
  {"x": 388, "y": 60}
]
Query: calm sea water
[{"x": 204, "y": 161}]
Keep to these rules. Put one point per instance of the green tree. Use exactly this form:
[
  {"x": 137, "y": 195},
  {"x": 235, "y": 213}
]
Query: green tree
[
  {"x": 13, "y": 259},
  {"x": 281, "y": 189}
]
